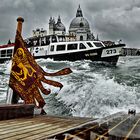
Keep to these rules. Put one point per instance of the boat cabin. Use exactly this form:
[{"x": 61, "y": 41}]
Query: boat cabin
[
  {"x": 6, "y": 51},
  {"x": 43, "y": 47},
  {"x": 68, "y": 47},
  {"x": 45, "y": 40}
]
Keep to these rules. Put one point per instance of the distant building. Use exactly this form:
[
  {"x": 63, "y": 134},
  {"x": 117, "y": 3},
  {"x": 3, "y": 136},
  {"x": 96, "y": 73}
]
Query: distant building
[
  {"x": 56, "y": 28},
  {"x": 130, "y": 51},
  {"x": 79, "y": 27},
  {"x": 39, "y": 32}
]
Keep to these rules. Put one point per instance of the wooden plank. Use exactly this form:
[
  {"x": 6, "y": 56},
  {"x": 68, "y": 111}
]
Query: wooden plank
[
  {"x": 24, "y": 133},
  {"x": 20, "y": 129},
  {"x": 42, "y": 135},
  {"x": 33, "y": 131},
  {"x": 38, "y": 126},
  {"x": 16, "y": 125},
  {"x": 46, "y": 132},
  {"x": 45, "y": 135},
  {"x": 26, "y": 130}
]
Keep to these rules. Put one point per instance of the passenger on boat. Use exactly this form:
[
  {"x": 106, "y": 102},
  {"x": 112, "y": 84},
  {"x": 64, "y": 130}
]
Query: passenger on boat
[{"x": 132, "y": 112}]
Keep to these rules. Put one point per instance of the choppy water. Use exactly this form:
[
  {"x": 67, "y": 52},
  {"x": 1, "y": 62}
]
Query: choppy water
[{"x": 92, "y": 90}]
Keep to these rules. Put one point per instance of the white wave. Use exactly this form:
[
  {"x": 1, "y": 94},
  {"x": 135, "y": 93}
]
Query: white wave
[
  {"x": 97, "y": 97},
  {"x": 90, "y": 91},
  {"x": 7, "y": 67}
]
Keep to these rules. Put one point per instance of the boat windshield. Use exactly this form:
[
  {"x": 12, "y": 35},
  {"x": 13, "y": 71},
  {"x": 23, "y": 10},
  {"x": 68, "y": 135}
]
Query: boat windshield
[
  {"x": 89, "y": 44},
  {"x": 98, "y": 44},
  {"x": 82, "y": 46}
]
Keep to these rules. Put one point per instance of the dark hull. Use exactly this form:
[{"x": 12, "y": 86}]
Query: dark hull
[
  {"x": 93, "y": 55},
  {"x": 85, "y": 56}
]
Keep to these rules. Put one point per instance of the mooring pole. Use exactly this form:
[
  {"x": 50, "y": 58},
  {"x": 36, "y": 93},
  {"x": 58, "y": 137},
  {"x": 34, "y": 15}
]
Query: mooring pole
[
  {"x": 20, "y": 20},
  {"x": 13, "y": 96}
]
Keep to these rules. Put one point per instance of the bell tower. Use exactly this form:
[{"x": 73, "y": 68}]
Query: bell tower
[{"x": 51, "y": 25}]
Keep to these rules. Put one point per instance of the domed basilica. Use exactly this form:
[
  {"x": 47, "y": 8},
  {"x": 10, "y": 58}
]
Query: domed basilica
[{"x": 79, "y": 28}]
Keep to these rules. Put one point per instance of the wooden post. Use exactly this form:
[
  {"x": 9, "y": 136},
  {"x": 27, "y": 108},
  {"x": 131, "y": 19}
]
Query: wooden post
[
  {"x": 15, "y": 97},
  {"x": 20, "y": 20}
]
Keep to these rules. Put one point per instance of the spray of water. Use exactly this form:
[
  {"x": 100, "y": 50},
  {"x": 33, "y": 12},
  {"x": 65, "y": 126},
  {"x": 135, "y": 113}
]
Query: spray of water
[{"x": 92, "y": 90}]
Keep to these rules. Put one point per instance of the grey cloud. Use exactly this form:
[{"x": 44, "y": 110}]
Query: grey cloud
[{"x": 111, "y": 19}]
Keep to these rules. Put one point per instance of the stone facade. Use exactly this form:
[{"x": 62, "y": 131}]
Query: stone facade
[
  {"x": 56, "y": 28},
  {"x": 39, "y": 32},
  {"x": 79, "y": 27}
]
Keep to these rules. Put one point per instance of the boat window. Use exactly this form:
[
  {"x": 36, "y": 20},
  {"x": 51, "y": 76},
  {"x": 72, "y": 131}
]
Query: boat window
[
  {"x": 61, "y": 39},
  {"x": 52, "y": 48},
  {"x": 60, "y": 47},
  {"x": 30, "y": 43},
  {"x": 72, "y": 46},
  {"x": 98, "y": 44},
  {"x": 89, "y": 44},
  {"x": 47, "y": 40},
  {"x": 82, "y": 46},
  {"x": 35, "y": 43},
  {"x": 43, "y": 41},
  {"x": 3, "y": 53},
  {"x": 54, "y": 39},
  {"x": 38, "y": 42},
  {"x": 9, "y": 52}
]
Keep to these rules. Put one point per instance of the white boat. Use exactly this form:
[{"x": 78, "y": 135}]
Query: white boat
[{"x": 57, "y": 48}]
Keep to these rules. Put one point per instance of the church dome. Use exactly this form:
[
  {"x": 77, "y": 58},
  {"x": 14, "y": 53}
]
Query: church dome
[
  {"x": 59, "y": 26},
  {"x": 79, "y": 22}
]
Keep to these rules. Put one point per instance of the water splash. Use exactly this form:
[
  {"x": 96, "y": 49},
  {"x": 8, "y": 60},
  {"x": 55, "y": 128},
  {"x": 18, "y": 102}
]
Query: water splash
[{"x": 92, "y": 90}]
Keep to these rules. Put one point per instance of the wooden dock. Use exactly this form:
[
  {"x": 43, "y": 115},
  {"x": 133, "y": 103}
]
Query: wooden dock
[
  {"x": 14, "y": 126},
  {"x": 39, "y": 127},
  {"x": 18, "y": 121}
]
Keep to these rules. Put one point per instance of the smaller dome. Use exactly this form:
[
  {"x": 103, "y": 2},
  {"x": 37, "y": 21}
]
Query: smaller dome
[{"x": 59, "y": 26}]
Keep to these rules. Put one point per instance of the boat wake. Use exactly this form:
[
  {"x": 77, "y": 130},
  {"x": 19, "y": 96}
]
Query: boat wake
[{"x": 92, "y": 90}]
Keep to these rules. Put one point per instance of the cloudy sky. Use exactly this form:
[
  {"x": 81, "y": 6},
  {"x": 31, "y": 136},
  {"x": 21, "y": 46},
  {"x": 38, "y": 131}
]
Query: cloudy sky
[{"x": 110, "y": 19}]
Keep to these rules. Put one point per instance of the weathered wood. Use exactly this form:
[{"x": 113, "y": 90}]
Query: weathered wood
[
  {"x": 38, "y": 127},
  {"x": 44, "y": 127},
  {"x": 16, "y": 111},
  {"x": 20, "y": 20}
]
